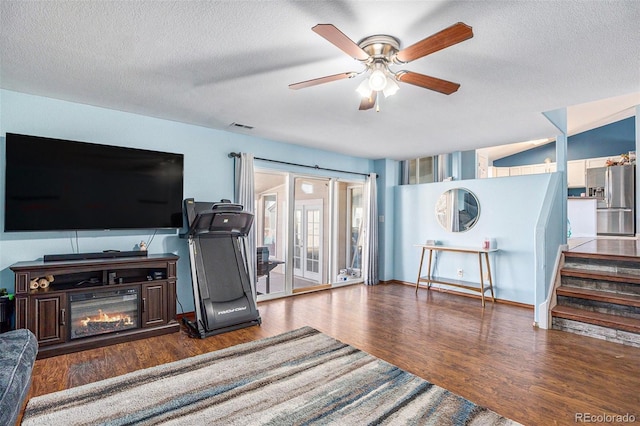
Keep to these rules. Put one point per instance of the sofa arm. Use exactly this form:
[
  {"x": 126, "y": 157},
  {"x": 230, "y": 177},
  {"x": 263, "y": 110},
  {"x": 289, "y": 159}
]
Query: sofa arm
[{"x": 18, "y": 350}]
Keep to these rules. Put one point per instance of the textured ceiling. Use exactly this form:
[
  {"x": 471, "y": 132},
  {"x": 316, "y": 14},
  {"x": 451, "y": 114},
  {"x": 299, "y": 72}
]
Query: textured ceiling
[{"x": 212, "y": 63}]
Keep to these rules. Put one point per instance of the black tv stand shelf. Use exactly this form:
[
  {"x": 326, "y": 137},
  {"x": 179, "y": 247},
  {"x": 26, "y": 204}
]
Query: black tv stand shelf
[{"x": 47, "y": 312}]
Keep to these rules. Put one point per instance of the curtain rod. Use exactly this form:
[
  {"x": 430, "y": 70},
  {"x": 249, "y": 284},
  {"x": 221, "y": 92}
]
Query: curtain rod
[{"x": 237, "y": 155}]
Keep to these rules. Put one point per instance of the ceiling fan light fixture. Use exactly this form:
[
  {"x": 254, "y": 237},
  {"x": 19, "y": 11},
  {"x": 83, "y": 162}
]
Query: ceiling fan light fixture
[
  {"x": 377, "y": 80},
  {"x": 391, "y": 87},
  {"x": 363, "y": 88}
]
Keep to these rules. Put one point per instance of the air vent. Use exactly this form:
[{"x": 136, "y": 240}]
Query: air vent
[{"x": 242, "y": 126}]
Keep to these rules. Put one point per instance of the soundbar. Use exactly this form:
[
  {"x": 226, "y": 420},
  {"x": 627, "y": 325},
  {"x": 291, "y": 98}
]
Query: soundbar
[{"x": 111, "y": 254}]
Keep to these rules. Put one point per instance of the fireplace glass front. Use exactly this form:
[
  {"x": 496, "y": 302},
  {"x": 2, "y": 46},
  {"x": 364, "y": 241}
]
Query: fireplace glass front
[{"x": 100, "y": 312}]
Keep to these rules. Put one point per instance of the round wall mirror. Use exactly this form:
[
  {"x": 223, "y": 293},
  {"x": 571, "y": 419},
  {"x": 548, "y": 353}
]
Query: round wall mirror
[{"x": 458, "y": 210}]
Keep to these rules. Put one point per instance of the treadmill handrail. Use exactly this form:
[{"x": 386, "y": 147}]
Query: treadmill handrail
[
  {"x": 205, "y": 223},
  {"x": 227, "y": 206}
]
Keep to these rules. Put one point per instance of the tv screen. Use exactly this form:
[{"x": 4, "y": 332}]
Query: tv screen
[{"x": 55, "y": 185}]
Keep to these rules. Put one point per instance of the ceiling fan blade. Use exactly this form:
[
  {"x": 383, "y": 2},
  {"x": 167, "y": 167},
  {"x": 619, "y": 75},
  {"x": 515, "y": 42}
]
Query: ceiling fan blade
[
  {"x": 344, "y": 43},
  {"x": 448, "y": 37},
  {"x": 321, "y": 80},
  {"x": 431, "y": 83},
  {"x": 368, "y": 102}
]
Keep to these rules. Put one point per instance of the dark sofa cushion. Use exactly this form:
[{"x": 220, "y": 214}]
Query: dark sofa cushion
[{"x": 18, "y": 350}]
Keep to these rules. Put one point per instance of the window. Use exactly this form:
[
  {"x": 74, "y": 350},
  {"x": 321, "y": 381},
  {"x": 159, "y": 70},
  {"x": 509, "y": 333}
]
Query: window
[
  {"x": 270, "y": 221},
  {"x": 418, "y": 170}
]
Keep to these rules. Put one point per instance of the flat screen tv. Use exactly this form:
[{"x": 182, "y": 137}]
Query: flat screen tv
[{"x": 56, "y": 185}]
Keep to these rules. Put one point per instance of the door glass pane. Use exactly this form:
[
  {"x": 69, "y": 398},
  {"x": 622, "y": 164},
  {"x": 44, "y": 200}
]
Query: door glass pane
[
  {"x": 270, "y": 225},
  {"x": 356, "y": 211},
  {"x": 311, "y": 232},
  {"x": 350, "y": 211},
  {"x": 270, "y": 221},
  {"x": 313, "y": 243},
  {"x": 297, "y": 241}
]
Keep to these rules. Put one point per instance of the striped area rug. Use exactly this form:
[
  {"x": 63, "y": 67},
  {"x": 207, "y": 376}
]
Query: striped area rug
[{"x": 299, "y": 377}]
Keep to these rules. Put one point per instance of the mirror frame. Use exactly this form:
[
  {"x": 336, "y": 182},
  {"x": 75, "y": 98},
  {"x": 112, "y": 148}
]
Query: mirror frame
[{"x": 444, "y": 206}]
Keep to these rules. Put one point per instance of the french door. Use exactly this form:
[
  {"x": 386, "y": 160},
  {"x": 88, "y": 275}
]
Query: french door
[
  {"x": 308, "y": 241},
  {"x": 310, "y": 237},
  {"x": 310, "y": 228}
]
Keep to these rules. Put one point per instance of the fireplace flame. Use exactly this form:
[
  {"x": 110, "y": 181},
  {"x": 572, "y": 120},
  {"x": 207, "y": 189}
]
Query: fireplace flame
[{"x": 105, "y": 318}]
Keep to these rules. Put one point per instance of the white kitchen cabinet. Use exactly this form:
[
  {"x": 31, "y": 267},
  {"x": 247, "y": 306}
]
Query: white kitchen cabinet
[
  {"x": 537, "y": 169},
  {"x": 501, "y": 171},
  {"x": 576, "y": 174},
  {"x": 576, "y": 169},
  {"x": 526, "y": 170}
]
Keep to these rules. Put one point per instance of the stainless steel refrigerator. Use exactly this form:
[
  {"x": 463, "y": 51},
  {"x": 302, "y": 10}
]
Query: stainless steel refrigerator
[{"x": 614, "y": 187}]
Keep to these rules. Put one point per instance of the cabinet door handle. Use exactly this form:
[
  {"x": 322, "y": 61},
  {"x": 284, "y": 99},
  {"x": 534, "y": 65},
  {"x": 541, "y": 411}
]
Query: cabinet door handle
[
  {"x": 144, "y": 304},
  {"x": 63, "y": 316}
]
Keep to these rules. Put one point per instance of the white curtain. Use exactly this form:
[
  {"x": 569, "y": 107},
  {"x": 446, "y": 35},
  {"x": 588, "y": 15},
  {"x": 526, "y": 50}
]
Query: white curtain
[
  {"x": 370, "y": 248},
  {"x": 245, "y": 195},
  {"x": 455, "y": 213},
  {"x": 404, "y": 176}
]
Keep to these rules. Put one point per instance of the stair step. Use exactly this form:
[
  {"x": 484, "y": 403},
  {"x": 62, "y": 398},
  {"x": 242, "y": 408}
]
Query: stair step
[
  {"x": 597, "y": 318},
  {"x": 607, "y": 257},
  {"x": 600, "y": 275},
  {"x": 596, "y": 331},
  {"x": 601, "y": 296}
]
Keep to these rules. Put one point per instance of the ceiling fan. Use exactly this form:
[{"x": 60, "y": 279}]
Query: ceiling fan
[{"x": 379, "y": 52}]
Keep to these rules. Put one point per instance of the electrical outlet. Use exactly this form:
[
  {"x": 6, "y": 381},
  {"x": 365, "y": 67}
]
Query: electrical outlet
[{"x": 460, "y": 272}]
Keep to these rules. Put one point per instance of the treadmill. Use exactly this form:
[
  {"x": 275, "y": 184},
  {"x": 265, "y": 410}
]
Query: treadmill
[{"x": 223, "y": 290}]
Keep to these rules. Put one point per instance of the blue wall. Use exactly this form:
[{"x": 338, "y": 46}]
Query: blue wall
[
  {"x": 208, "y": 174},
  {"x": 389, "y": 172},
  {"x": 610, "y": 140},
  {"x": 507, "y": 213},
  {"x": 549, "y": 236}
]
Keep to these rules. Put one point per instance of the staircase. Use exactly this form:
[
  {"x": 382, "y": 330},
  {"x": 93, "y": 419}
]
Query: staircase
[{"x": 599, "y": 296}]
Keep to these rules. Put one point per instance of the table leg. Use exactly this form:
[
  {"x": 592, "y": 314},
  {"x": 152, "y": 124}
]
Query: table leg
[
  {"x": 429, "y": 269},
  {"x": 481, "y": 279},
  {"x": 486, "y": 258},
  {"x": 268, "y": 283},
  {"x": 420, "y": 269}
]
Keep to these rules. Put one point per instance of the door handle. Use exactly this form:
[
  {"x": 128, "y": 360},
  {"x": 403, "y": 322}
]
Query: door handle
[
  {"x": 144, "y": 304},
  {"x": 63, "y": 316}
]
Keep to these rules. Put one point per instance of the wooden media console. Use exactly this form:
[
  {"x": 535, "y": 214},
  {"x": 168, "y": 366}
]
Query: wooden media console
[{"x": 96, "y": 302}]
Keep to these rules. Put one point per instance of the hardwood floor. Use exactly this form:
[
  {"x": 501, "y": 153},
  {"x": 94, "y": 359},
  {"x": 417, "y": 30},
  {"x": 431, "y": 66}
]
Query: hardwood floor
[{"x": 493, "y": 357}]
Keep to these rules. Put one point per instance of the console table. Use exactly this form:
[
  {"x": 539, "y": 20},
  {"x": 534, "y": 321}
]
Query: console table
[{"x": 482, "y": 254}]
